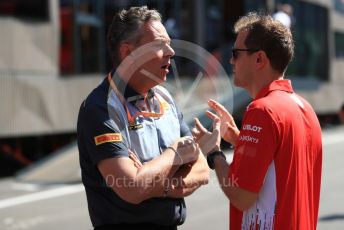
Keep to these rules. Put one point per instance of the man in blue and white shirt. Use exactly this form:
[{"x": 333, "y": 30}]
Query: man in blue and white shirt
[{"x": 137, "y": 156}]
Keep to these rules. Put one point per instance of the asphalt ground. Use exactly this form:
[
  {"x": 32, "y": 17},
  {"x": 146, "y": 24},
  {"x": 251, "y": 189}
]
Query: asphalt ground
[{"x": 41, "y": 206}]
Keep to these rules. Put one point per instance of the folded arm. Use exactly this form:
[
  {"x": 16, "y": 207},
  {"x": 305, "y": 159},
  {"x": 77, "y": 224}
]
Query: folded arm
[
  {"x": 188, "y": 178},
  {"x": 135, "y": 183}
]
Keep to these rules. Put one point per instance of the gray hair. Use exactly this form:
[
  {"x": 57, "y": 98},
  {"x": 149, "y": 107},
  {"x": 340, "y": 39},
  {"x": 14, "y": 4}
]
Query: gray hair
[{"x": 126, "y": 27}]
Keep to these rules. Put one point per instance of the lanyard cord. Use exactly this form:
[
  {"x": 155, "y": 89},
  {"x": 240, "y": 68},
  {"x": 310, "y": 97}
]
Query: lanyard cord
[{"x": 131, "y": 119}]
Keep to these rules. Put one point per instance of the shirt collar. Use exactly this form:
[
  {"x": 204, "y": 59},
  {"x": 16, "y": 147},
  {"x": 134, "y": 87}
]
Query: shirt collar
[
  {"x": 282, "y": 85},
  {"x": 130, "y": 94}
]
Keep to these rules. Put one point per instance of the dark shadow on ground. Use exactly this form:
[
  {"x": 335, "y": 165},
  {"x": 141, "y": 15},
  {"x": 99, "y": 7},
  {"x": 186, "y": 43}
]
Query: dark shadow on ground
[{"x": 332, "y": 217}]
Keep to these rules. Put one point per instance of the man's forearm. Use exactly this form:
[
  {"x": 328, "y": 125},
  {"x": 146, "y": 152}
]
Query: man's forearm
[
  {"x": 155, "y": 173},
  {"x": 221, "y": 170},
  {"x": 240, "y": 198},
  {"x": 134, "y": 184},
  {"x": 189, "y": 178},
  {"x": 181, "y": 192}
]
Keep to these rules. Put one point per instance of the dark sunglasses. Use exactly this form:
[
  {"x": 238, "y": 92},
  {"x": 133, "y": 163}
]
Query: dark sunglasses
[{"x": 235, "y": 51}]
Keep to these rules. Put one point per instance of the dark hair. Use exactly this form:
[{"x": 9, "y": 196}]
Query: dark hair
[
  {"x": 125, "y": 27},
  {"x": 269, "y": 35}
]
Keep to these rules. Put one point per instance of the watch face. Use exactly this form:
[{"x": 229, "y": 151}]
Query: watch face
[
  {"x": 210, "y": 162},
  {"x": 211, "y": 158}
]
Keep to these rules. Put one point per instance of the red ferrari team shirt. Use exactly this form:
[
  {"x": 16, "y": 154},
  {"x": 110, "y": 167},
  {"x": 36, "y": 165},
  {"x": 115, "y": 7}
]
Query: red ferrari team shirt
[{"x": 279, "y": 156}]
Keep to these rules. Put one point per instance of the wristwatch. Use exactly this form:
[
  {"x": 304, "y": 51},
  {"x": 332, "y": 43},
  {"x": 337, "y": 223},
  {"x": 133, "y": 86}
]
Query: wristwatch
[{"x": 211, "y": 158}]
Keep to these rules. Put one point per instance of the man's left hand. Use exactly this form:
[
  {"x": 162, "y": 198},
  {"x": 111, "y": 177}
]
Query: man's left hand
[{"x": 208, "y": 141}]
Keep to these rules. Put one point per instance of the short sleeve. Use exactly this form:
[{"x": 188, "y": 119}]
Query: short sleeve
[
  {"x": 184, "y": 128},
  {"x": 255, "y": 150},
  {"x": 99, "y": 135}
]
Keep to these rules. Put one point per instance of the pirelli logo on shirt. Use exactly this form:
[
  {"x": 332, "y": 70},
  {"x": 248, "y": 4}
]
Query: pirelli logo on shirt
[{"x": 108, "y": 137}]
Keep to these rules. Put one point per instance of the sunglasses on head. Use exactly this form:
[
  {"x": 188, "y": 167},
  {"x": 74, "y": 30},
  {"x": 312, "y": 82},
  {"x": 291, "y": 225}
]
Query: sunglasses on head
[{"x": 235, "y": 51}]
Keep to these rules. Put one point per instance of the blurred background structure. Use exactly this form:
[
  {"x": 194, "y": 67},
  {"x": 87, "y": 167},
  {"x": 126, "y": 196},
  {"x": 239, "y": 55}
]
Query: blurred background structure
[{"x": 53, "y": 52}]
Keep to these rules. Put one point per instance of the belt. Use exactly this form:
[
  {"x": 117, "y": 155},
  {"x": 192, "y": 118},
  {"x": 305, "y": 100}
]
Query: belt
[{"x": 140, "y": 226}]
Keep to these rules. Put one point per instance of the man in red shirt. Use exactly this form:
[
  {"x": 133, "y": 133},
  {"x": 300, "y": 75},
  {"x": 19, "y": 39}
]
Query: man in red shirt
[{"x": 274, "y": 179}]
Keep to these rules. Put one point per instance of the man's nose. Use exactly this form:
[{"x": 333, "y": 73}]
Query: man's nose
[
  {"x": 169, "y": 51},
  {"x": 231, "y": 60}
]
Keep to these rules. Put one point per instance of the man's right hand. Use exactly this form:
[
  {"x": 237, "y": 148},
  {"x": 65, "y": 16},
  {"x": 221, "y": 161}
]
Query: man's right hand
[
  {"x": 186, "y": 150},
  {"x": 229, "y": 130}
]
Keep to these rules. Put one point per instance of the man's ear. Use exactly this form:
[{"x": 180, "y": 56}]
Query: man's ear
[
  {"x": 261, "y": 59},
  {"x": 125, "y": 50}
]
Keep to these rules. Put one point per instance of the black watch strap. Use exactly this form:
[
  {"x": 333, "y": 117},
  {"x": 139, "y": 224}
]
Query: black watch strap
[{"x": 211, "y": 158}]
